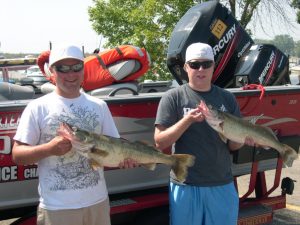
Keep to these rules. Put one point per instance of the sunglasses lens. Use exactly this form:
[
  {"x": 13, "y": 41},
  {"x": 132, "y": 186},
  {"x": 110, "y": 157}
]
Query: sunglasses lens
[
  {"x": 66, "y": 69},
  {"x": 62, "y": 68},
  {"x": 77, "y": 67},
  {"x": 207, "y": 64},
  {"x": 196, "y": 65}
]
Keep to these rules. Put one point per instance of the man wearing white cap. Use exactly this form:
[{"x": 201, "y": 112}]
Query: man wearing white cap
[
  {"x": 71, "y": 192},
  {"x": 208, "y": 196}
]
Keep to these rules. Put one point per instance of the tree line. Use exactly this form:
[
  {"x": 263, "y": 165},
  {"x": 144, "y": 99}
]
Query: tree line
[
  {"x": 285, "y": 43},
  {"x": 149, "y": 24}
]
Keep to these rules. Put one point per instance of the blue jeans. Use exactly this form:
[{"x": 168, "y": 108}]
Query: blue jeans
[{"x": 194, "y": 205}]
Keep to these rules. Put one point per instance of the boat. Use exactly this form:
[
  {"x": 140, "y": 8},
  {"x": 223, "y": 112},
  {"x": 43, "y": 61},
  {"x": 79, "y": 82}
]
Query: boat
[{"x": 274, "y": 104}]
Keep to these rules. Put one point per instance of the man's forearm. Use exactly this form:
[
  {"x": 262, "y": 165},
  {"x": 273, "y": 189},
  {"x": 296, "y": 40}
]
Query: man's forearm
[{"x": 165, "y": 138}]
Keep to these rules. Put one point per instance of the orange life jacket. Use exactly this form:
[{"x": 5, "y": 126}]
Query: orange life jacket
[{"x": 96, "y": 67}]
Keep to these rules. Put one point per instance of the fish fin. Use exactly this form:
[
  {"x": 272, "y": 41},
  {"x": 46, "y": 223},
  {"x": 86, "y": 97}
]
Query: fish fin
[
  {"x": 223, "y": 138},
  {"x": 288, "y": 155},
  {"x": 255, "y": 119},
  {"x": 181, "y": 164},
  {"x": 94, "y": 164},
  {"x": 149, "y": 166},
  {"x": 143, "y": 142},
  {"x": 272, "y": 132},
  {"x": 99, "y": 152}
]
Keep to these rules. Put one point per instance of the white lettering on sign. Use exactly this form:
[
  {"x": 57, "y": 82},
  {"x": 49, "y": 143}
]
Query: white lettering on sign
[
  {"x": 30, "y": 173},
  {"x": 264, "y": 72},
  {"x": 279, "y": 65},
  {"x": 8, "y": 173},
  {"x": 244, "y": 49},
  {"x": 6, "y": 145},
  {"x": 9, "y": 121},
  {"x": 225, "y": 39}
]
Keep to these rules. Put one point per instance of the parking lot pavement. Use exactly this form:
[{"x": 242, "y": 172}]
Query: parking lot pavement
[{"x": 286, "y": 216}]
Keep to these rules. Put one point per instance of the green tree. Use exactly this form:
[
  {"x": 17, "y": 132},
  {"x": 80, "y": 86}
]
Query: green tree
[
  {"x": 149, "y": 23},
  {"x": 263, "y": 41},
  {"x": 285, "y": 43},
  {"x": 296, "y": 5},
  {"x": 297, "y": 49},
  {"x": 261, "y": 10}
]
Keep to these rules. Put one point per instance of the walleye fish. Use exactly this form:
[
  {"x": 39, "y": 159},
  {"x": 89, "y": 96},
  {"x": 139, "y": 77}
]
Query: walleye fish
[
  {"x": 236, "y": 129},
  {"x": 109, "y": 151}
]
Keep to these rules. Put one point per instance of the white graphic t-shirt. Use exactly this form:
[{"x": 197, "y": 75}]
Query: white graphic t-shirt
[{"x": 68, "y": 181}]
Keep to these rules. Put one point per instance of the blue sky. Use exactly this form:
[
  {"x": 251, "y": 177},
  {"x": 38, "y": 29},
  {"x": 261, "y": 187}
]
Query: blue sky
[{"x": 27, "y": 26}]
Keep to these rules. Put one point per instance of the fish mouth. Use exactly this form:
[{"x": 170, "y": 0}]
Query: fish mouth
[
  {"x": 65, "y": 130},
  {"x": 205, "y": 109}
]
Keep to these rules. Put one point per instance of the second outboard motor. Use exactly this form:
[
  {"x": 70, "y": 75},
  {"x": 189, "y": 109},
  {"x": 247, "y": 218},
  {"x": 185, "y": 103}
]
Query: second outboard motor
[
  {"x": 262, "y": 64},
  {"x": 211, "y": 23}
]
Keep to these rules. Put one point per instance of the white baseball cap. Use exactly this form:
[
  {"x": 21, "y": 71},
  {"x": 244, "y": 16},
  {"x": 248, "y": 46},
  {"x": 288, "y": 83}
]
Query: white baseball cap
[
  {"x": 199, "y": 51},
  {"x": 65, "y": 52}
]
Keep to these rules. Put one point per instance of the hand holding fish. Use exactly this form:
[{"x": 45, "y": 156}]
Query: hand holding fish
[
  {"x": 105, "y": 151},
  {"x": 59, "y": 146},
  {"x": 128, "y": 163},
  {"x": 195, "y": 115},
  {"x": 249, "y": 141},
  {"x": 241, "y": 131}
]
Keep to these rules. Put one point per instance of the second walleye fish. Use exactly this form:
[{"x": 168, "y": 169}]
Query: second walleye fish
[
  {"x": 237, "y": 129},
  {"x": 109, "y": 151}
]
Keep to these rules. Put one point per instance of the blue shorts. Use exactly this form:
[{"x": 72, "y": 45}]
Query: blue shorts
[{"x": 203, "y": 205}]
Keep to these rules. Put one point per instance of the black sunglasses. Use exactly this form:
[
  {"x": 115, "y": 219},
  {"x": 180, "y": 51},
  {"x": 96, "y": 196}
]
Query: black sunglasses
[
  {"x": 66, "y": 69},
  {"x": 196, "y": 64}
]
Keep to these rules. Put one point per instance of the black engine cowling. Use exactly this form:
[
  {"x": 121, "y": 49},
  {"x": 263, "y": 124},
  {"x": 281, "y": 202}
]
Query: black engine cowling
[{"x": 212, "y": 23}]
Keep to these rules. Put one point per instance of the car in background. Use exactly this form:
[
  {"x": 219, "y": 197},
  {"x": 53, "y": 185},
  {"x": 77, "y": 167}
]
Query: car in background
[
  {"x": 34, "y": 77},
  {"x": 150, "y": 86}
]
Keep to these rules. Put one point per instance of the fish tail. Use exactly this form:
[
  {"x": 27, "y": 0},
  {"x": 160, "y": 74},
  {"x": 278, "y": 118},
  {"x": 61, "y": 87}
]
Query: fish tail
[
  {"x": 289, "y": 155},
  {"x": 182, "y": 162}
]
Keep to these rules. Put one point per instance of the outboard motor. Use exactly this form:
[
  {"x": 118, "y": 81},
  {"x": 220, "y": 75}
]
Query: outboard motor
[
  {"x": 262, "y": 64},
  {"x": 211, "y": 23}
]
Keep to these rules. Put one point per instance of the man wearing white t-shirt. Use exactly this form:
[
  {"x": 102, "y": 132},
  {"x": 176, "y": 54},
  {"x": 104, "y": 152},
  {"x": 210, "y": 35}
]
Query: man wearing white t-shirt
[{"x": 71, "y": 192}]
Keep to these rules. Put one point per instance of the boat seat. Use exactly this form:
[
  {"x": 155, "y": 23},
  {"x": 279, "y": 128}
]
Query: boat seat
[
  {"x": 122, "y": 68},
  {"x": 119, "y": 88}
]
